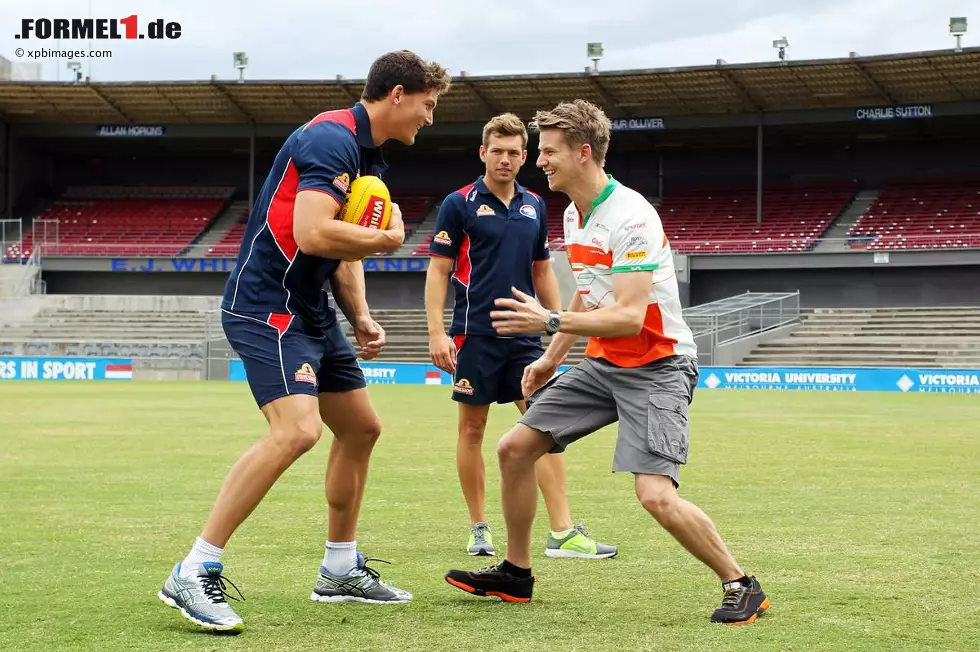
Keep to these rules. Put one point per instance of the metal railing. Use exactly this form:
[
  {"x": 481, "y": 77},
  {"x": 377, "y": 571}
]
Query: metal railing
[
  {"x": 733, "y": 318},
  {"x": 30, "y": 281}
]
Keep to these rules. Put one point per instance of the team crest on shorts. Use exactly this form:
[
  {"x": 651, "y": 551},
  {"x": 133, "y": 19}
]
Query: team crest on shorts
[
  {"x": 485, "y": 210},
  {"x": 528, "y": 211},
  {"x": 342, "y": 182},
  {"x": 305, "y": 374},
  {"x": 463, "y": 386},
  {"x": 442, "y": 238}
]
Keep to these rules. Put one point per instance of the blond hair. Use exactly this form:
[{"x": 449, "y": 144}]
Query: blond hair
[
  {"x": 582, "y": 123},
  {"x": 506, "y": 124}
]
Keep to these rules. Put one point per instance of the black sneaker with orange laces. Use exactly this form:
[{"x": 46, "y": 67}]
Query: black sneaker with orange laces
[
  {"x": 744, "y": 601},
  {"x": 497, "y": 581}
]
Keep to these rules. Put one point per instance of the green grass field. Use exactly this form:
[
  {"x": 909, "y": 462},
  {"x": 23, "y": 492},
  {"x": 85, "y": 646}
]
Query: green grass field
[{"x": 859, "y": 512}]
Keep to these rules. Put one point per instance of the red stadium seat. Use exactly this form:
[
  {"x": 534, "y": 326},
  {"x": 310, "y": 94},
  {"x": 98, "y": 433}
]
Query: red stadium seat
[
  {"x": 117, "y": 221},
  {"x": 723, "y": 220},
  {"x": 921, "y": 214},
  {"x": 414, "y": 208}
]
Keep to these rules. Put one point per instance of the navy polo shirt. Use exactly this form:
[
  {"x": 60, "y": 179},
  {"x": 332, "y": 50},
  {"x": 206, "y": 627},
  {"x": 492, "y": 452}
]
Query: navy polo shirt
[
  {"x": 493, "y": 246},
  {"x": 272, "y": 275}
]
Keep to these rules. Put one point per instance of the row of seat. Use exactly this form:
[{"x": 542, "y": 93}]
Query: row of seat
[
  {"x": 156, "y": 221},
  {"x": 921, "y": 215},
  {"x": 413, "y": 211},
  {"x": 724, "y": 219}
]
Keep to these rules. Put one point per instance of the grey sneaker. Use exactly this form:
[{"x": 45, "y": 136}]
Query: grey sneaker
[
  {"x": 201, "y": 599},
  {"x": 481, "y": 541},
  {"x": 362, "y": 584},
  {"x": 578, "y": 544}
]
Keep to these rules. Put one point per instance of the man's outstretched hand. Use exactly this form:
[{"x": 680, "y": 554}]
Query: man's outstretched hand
[{"x": 522, "y": 315}]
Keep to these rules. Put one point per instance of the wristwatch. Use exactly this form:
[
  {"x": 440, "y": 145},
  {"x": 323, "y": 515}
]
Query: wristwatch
[{"x": 553, "y": 325}]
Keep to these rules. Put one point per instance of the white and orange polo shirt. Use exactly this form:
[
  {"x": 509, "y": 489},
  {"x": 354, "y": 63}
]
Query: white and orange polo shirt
[{"x": 623, "y": 233}]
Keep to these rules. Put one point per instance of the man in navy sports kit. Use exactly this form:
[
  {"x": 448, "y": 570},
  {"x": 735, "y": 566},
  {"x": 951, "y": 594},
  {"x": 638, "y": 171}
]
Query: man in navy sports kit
[
  {"x": 491, "y": 236},
  {"x": 301, "y": 369}
]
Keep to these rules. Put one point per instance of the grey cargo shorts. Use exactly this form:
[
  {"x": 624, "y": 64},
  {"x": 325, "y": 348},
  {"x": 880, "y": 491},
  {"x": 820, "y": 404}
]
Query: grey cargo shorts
[{"x": 649, "y": 402}]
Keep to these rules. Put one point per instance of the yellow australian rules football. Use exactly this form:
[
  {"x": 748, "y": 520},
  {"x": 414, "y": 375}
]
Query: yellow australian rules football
[{"x": 368, "y": 203}]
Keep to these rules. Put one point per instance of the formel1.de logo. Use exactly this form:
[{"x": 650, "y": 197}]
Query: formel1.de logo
[{"x": 83, "y": 29}]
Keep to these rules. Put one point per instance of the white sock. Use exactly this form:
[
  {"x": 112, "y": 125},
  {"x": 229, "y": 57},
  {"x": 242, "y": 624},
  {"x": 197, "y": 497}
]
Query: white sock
[
  {"x": 562, "y": 535},
  {"x": 201, "y": 552},
  {"x": 340, "y": 558}
]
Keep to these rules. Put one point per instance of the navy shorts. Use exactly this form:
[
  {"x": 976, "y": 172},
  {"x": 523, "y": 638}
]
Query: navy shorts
[
  {"x": 489, "y": 369},
  {"x": 284, "y": 355}
]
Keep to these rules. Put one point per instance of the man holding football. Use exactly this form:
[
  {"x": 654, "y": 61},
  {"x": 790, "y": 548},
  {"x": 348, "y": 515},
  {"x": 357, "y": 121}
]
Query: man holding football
[
  {"x": 491, "y": 235},
  {"x": 301, "y": 370}
]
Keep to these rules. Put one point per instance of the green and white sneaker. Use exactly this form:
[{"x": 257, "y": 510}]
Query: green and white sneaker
[
  {"x": 361, "y": 584},
  {"x": 577, "y": 544},
  {"x": 481, "y": 541},
  {"x": 201, "y": 598}
]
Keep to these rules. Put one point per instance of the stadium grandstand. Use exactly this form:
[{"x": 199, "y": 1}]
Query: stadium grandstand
[{"x": 842, "y": 195}]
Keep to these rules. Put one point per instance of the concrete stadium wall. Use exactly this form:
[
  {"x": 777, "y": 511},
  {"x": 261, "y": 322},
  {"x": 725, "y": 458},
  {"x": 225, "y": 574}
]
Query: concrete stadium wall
[
  {"x": 730, "y": 354},
  {"x": 384, "y": 290},
  {"x": 188, "y": 283},
  {"x": 859, "y": 287},
  {"x": 827, "y": 288},
  {"x": 130, "y": 302}
]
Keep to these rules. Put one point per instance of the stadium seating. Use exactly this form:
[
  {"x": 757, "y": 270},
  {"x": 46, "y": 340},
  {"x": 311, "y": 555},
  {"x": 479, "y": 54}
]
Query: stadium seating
[
  {"x": 119, "y": 221},
  {"x": 705, "y": 220},
  {"x": 909, "y": 214},
  {"x": 164, "y": 335},
  {"x": 414, "y": 210},
  {"x": 877, "y": 337},
  {"x": 231, "y": 240},
  {"x": 723, "y": 220}
]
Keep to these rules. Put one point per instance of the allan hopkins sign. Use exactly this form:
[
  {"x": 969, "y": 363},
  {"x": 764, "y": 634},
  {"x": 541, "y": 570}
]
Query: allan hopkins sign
[{"x": 131, "y": 131}]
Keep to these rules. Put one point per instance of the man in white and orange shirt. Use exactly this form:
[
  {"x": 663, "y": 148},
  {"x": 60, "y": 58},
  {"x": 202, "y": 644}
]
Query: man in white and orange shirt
[{"x": 640, "y": 367}]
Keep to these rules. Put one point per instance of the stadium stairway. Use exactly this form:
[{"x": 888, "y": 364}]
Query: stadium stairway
[
  {"x": 834, "y": 239},
  {"x": 226, "y": 220},
  {"x": 10, "y": 278},
  {"x": 422, "y": 233},
  {"x": 877, "y": 337}
]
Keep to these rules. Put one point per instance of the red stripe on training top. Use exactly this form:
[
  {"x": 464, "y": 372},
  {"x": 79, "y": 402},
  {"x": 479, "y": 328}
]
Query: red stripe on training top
[
  {"x": 280, "y": 322},
  {"x": 463, "y": 264},
  {"x": 280, "y": 214},
  {"x": 282, "y": 204},
  {"x": 465, "y": 190},
  {"x": 342, "y": 116}
]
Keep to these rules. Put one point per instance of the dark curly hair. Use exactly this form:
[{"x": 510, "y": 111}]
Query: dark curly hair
[{"x": 409, "y": 70}]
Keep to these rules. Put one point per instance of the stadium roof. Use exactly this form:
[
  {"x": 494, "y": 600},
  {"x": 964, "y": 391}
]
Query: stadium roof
[{"x": 923, "y": 77}]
